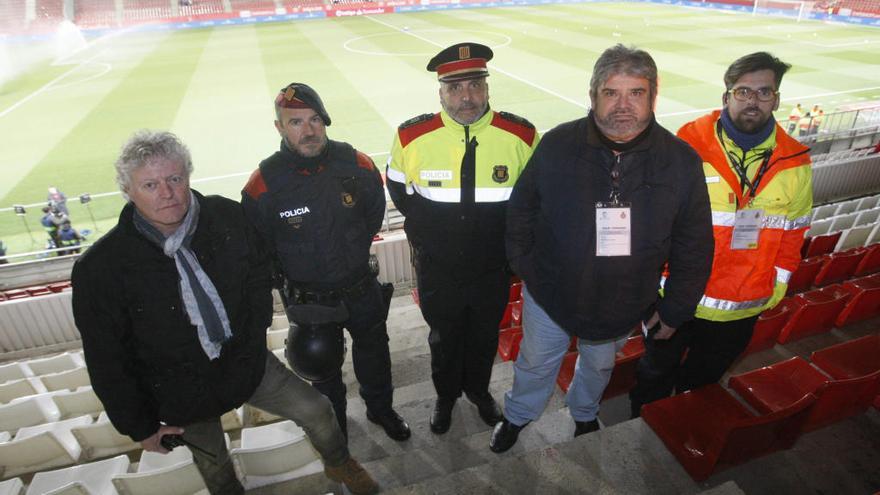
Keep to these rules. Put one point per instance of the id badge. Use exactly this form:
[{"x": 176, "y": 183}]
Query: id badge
[
  {"x": 613, "y": 231},
  {"x": 746, "y": 229}
]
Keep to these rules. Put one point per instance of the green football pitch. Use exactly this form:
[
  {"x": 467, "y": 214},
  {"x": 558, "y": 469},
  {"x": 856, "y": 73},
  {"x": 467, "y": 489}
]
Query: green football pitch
[{"x": 62, "y": 122}]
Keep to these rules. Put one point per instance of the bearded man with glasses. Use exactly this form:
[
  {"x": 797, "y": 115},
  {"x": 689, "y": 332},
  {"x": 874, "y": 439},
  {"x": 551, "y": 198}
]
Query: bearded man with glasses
[{"x": 761, "y": 194}]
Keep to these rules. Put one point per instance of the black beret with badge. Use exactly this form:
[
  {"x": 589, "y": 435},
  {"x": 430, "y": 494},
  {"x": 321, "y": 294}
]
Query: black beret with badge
[{"x": 300, "y": 95}]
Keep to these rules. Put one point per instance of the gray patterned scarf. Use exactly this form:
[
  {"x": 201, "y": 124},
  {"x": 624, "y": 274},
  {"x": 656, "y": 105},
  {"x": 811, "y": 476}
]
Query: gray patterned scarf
[{"x": 200, "y": 298}]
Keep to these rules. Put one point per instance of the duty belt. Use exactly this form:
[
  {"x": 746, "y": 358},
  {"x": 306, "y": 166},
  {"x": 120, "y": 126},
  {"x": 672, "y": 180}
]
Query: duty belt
[{"x": 330, "y": 297}]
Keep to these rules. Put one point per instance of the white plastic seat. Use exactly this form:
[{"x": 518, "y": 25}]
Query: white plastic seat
[
  {"x": 29, "y": 411},
  {"x": 12, "y": 486},
  {"x": 92, "y": 478},
  {"x": 169, "y": 474},
  {"x": 78, "y": 402},
  {"x": 854, "y": 237},
  {"x": 14, "y": 371},
  {"x": 40, "y": 447},
  {"x": 824, "y": 211},
  {"x": 275, "y": 339},
  {"x": 821, "y": 227},
  {"x": 867, "y": 203},
  {"x": 867, "y": 217},
  {"x": 67, "y": 380},
  {"x": 279, "y": 322},
  {"x": 55, "y": 364},
  {"x": 274, "y": 453},
  {"x": 843, "y": 222},
  {"x": 100, "y": 439},
  {"x": 24, "y": 387},
  {"x": 847, "y": 207}
]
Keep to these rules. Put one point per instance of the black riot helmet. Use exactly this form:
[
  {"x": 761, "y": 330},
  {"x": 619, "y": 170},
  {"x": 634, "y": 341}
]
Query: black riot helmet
[{"x": 315, "y": 342}]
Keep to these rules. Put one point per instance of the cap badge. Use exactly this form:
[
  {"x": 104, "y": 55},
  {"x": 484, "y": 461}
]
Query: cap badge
[
  {"x": 289, "y": 94},
  {"x": 464, "y": 52}
]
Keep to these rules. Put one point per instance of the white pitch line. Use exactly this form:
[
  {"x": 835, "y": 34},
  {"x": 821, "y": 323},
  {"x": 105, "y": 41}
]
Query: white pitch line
[{"x": 493, "y": 66}]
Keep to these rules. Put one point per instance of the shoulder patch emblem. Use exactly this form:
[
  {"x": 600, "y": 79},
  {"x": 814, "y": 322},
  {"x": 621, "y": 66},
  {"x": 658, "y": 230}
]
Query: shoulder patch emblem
[
  {"x": 500, "y": 174},
  {"x": 416, "y": 120},
  {"x": 517, "y": 119}
]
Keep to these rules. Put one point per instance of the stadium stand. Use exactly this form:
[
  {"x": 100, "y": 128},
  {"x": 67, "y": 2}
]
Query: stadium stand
[
  {"x": 41, "y": 446},
  {"x": 100, "y": 439}
]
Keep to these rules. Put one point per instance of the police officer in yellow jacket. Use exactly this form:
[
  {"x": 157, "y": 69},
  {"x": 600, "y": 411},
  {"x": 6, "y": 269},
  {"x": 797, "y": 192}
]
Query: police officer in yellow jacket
[
  {"x": 761, "y": 194},
  {"x": 450, "y": 174}
]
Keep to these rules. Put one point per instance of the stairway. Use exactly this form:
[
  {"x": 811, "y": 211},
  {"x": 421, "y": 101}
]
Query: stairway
[{"x": 624, "y": 457}]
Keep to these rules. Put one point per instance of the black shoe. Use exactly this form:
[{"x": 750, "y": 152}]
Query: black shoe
[
  {"x": 504, "y": 436},
  {"x": 441, "y": 418},
  {"x": 583, "y": 427},
  {"x": 394, "y": 426},
  {"x": 488, "y": 408}
]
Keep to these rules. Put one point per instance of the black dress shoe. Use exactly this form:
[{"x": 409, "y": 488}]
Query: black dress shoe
[
  {"x": 504, "y": 436},
  {"x": 441, "y": 418},
  {"x": 583, "y": 427},
  {"x": 395, "y": 427},
  {"x": 489, "y": 411}
]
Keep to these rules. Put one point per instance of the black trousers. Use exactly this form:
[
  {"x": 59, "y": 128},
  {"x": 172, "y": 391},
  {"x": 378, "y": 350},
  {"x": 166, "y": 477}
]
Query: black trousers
[
  {"x": 463, "y": 318},
  {"x": 712, "y": 346},
  {"x": 370, "y": 356}
]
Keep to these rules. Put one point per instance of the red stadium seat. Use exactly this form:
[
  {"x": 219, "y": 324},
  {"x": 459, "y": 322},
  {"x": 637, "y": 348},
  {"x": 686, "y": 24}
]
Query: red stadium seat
[
  {"x": 870, "y": 263},
  {"x": 822, "y": 244},
  {"x": 707, "y": 429},
  {"x": 839, "y": 267},
  {"x": 803, "y": 277},
  {"x": 512, "y": 315},
  {"x": 59, "y": 286},
  {"x": 805, "y": 246},
  {"x": 508, "y": 343},
  {"x": 775, "y": 387},
  {"x": 851, "y": 359},
  {"x": 566, "y": 371},
  {"x": 16, "y": 294},
  {"x": 769, "y": 324},
  {"x": 623, "y": 377},
  {"x": 864, "y": 302},
  {"x": 515, "y": 292},
  {"x": 816, "y": 313},
  {"x": 39, "y": 290}
]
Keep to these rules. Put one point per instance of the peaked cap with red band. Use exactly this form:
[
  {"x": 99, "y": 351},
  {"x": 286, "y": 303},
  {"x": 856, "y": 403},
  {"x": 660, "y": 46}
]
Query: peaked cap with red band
[
  {"x": 461, "y": 61},
  {"x": 299, "y": 95}
]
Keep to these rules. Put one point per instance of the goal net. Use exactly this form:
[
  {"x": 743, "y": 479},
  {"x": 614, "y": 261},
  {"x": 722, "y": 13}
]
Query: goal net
[{"x": 789, "y": 8}]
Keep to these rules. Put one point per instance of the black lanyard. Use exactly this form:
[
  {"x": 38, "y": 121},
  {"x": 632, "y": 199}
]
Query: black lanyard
[
  {"x": 614, "y": 197},
  {"x": 748, "y": 189}
]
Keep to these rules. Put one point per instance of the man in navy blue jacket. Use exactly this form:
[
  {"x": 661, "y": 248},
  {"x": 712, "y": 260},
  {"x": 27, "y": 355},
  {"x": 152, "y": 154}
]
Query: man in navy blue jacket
[{"x": 605, "y": 202}]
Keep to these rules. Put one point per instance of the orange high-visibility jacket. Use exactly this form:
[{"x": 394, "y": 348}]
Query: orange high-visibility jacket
[{"x": 745, "y": 282}]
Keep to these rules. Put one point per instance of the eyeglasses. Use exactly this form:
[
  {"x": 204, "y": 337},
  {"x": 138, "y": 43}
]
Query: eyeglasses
[{"x": 744, "y": 94}]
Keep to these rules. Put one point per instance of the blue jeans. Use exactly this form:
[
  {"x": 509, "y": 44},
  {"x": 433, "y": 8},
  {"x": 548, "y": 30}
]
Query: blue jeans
[{"x": 543, "y": 346}]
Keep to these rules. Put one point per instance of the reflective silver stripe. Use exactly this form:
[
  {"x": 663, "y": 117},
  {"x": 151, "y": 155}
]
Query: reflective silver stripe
[
  {"x": 395, "y": 175},
  {"x": 725, "y": 305},
  {"x": 782, "y": 275},
  {"x": 728, "y": 218},
  {"x": 723, "y": 218},
  {"x": 798, "y": 223},
  {"x": 453, "y": 195}
]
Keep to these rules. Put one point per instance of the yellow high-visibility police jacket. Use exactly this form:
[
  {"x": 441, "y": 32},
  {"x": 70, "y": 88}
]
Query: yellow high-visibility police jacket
[
  {"x": 745, "y": 282},
  {"x": 452, "y": 183}
]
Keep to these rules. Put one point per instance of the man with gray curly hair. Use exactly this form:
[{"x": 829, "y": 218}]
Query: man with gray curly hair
[{"x": 173, "y": 305}]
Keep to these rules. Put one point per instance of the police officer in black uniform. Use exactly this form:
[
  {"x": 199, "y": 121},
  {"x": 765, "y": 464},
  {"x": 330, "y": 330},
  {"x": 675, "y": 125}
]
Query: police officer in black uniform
[{"x": 318, "y": 203}]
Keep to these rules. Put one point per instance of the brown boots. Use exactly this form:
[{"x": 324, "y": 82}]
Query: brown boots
[{"x": 354, "y": 476}]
